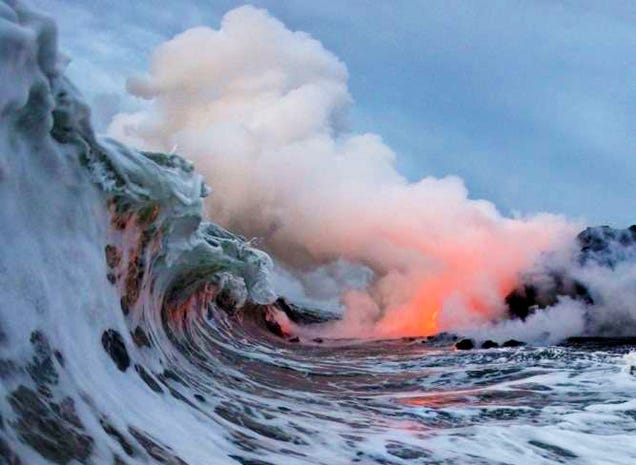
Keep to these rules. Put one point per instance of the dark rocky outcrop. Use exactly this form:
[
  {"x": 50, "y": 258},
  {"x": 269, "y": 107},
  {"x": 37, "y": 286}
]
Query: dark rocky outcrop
[
  {"x": 601, "y": 245},
  {"x": 442, "y": 339},
  {"x": 489, "y": 344},
  {"x": 607, "y": 246},
  {"x": 599, "y": 343},
  {"x": 465, "y": 344},
  {"x": 542, "y": 291},
  {"x": 512, "y": 343},
  {"x": 303, "y": 315}
]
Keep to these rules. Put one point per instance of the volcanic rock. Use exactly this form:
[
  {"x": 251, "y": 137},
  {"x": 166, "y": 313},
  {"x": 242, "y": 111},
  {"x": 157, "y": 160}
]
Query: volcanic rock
[
  {"x": 513, "y": 343},
  {"x": 304, "y": 315},
  {"x": 599, "y": 342},
  {"x": 607, "y": 246},
  {"x": 542, "y": 291},
  {"x": 489, "y": 344},
  {"x": 465, "y": 344},
  {"x": 601, "y": 245}
]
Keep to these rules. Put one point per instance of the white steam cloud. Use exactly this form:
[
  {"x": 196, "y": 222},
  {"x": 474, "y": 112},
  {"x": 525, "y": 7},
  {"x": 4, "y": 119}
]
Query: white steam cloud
[{"x": 262, "y": 112}]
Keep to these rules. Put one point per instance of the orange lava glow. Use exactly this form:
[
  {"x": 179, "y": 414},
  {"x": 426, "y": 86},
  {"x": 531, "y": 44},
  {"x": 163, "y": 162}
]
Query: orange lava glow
[{"x": 468, "y": 280}]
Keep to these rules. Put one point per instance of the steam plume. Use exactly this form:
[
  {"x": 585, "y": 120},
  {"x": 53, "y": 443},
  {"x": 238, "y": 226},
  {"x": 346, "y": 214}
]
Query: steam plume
[{"x": 262, "y": 112}]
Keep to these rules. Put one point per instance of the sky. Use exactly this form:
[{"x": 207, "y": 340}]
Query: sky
[{"x": 532, "y": 103}]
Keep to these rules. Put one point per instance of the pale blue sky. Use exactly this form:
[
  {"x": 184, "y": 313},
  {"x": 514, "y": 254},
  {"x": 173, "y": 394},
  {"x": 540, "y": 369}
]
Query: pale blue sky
[{"x": 532, "y": 103}]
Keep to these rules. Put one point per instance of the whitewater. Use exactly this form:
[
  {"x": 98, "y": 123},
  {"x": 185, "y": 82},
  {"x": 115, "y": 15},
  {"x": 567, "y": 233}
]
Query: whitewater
[{"x": 135, "y": 331}]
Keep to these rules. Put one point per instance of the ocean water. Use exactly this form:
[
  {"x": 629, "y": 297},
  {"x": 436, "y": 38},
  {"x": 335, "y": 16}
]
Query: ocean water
[{"x": 132, "y": 331}]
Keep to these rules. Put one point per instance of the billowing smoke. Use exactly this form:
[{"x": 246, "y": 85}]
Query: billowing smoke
[{"x": 262, "y": 112}]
